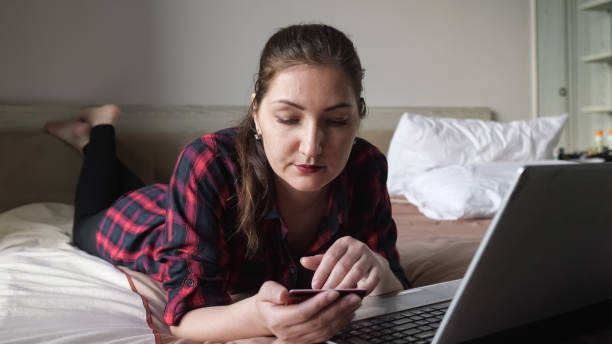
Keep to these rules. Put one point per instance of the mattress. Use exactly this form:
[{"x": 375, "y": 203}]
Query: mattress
[
  {"x": 433, "y": 251},
  {"x": 50, "y": 291}
]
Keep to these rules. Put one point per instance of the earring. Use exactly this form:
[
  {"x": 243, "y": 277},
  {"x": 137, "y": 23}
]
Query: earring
[{"x": 257, "y": 136}]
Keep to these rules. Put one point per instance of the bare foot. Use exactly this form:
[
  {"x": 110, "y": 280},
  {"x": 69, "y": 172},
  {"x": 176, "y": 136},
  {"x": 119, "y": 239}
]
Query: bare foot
[
  {"x": 73, "y": 132},
  {"x": 106, "y": 114}
]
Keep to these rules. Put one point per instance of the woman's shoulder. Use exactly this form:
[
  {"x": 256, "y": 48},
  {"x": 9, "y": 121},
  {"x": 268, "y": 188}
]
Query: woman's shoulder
[
  {"x": 366, "y": 155},
  {"x": 212, "y": 148},
  {"x": 365, "y": 174},
  {"x": 218, "y": 141},
  {"x": 366, "y": 169},
  {"x": 215, "y": 144}
]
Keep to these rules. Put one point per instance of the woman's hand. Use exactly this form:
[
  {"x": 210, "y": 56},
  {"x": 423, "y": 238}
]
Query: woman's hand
[
  {"x": 349, "y": 263},
  {"x": 312, "y": 321}
]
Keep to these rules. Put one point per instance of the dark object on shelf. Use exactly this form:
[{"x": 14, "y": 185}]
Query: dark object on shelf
[
  {"x": 606, "y": 155},
  {"x": 570, "y": 156}
]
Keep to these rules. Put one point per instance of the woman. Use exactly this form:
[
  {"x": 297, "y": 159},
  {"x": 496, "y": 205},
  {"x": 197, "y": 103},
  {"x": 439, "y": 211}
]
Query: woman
[{"x": 289, "y": 199}]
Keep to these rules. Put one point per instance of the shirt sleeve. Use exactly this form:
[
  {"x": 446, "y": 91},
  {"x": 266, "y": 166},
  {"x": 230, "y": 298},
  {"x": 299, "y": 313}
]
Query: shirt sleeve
[
  {"x": 382, "y": 236},
  {"x": 194, "y": 252}
]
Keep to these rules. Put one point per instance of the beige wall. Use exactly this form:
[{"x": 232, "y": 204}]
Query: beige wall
[{"x": 416, "y": 52}]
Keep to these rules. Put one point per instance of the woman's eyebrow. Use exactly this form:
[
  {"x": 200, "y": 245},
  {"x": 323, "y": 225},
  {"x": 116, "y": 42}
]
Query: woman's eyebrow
[{"x": 300, "y": 107}]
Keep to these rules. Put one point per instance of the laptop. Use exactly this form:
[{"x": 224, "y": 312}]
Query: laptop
[{"x": 548, "y": 251}]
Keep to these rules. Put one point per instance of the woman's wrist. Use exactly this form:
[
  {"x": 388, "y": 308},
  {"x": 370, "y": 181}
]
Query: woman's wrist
[
  {"x": 239, "y": 320},
  {"x": 256, "y": 317}
]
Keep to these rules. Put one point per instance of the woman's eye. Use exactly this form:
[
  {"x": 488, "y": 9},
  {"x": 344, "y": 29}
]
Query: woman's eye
[
  {"x": 287, "y": 120},
  {"x": 337, "y": 122}
]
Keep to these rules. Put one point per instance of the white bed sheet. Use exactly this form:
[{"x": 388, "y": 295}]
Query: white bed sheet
[{"x": 52, "y": 292}]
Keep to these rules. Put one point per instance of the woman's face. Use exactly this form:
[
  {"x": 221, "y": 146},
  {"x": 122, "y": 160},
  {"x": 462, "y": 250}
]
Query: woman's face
[{"x": 308, "y": 120}]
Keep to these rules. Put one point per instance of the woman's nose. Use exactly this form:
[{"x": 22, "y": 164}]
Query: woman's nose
[{"x": 310, "y": 144}]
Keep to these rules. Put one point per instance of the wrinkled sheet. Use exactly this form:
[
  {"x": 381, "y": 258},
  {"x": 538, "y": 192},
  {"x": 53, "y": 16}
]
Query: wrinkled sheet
[
  {"x": 52, "y": 292},
  {"x": 433, "y": 251}
]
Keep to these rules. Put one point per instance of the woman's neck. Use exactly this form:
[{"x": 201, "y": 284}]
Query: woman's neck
[
  {"x": 289, "y": 198},
  {"x": 302, "y": 213}
]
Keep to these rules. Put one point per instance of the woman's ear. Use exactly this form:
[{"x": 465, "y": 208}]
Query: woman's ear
[
  {"x": 255, "y": 113},
  {"x": 253, "y": 103}
]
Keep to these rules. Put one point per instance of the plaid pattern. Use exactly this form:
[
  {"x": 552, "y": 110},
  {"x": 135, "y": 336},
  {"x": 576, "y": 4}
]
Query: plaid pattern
[{"x": 183, "y": 234}]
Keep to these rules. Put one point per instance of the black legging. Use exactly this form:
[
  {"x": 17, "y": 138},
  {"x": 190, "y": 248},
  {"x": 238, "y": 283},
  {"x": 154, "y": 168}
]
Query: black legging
[{"x": 102, "y": 180}]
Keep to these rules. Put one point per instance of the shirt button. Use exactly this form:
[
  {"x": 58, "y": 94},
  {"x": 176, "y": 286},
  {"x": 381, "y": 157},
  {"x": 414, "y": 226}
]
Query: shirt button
[{"x": 190, "y": 283}]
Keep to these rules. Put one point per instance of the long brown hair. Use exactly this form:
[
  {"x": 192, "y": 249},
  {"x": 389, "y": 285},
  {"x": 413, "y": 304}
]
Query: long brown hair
[{"x": 312, "y": 44}]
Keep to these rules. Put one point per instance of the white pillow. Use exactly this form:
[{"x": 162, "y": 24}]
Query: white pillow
[
  {"x": 464, "y": 191},
  {"x": 422, "y": 143}
]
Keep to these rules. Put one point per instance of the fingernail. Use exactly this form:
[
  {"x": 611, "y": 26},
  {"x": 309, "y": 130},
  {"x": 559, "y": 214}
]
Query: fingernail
[
  {"x": 353, "y": 299},
  {"x": 332, "y": 295}
]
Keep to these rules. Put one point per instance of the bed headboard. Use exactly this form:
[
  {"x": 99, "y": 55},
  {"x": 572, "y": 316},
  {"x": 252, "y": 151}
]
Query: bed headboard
[{"x": 37, "y": 167}]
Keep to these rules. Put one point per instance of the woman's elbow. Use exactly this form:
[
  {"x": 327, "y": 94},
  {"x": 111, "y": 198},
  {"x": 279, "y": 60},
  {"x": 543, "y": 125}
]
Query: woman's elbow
[
  {"x": 179, "y": 331},
  {"x": 175, "y": 331}
]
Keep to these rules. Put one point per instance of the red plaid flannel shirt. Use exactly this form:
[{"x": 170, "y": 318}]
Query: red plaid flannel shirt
[{"x": 183, "y": 234}]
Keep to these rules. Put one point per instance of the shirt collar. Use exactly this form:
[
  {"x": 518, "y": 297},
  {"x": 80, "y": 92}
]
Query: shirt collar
[
  {"x": 335, "y": 212},
  {"x": 273, "y": 213},
  {"x": 338, "y": 198}
]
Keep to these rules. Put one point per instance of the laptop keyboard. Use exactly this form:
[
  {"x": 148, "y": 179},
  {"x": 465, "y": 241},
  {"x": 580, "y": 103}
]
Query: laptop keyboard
[{"x": 416, "y": 325}]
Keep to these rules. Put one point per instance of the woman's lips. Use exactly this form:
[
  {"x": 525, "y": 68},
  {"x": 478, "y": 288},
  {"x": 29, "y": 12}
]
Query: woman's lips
[{"x": 308, "y": 168}]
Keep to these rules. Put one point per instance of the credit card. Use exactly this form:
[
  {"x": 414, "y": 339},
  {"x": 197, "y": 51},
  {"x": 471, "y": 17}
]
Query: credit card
[{"x": 300, "y": 295}]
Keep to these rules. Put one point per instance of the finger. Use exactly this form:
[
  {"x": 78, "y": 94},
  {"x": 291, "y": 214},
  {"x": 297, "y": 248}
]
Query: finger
[
  {"x": 329, "y": 321},
  {"x": 256, "y": 340},
  {"x": 306, "y": 310},
  {"x": 323, "y": 328},
  {"x": 342, "y": 268},
  {"x": 311, "y": 262},
  {"x": 273, "y": 292},
  {"x": 359, "y": 271},
  {"x": 372, "y": 280},
  {"x": 304, "y": 313},
  {"x": 279, "y": 341},
  {"x": 329, "y": 260}
]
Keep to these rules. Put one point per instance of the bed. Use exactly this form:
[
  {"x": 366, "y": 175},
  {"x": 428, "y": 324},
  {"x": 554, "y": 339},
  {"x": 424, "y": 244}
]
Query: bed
[{"x": 52, "y": 292}]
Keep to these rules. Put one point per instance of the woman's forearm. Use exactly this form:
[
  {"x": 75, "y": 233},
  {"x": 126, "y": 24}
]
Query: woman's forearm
[
  {"x": 222, "y": 323},
  {"x": 243, "y": 320}
]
